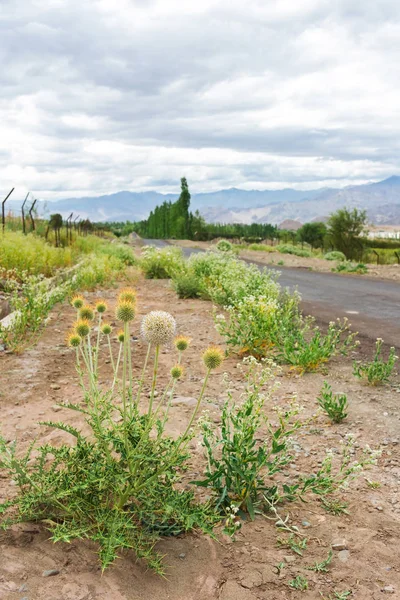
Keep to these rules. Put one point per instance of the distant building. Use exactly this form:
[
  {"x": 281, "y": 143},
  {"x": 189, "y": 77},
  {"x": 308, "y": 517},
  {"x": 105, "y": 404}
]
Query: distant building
[{"x": 388, "y": 232}]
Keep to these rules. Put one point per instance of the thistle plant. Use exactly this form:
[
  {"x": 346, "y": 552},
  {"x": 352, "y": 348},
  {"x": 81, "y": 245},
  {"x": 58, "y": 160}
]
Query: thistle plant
[
  {"x": 379, "y": 370},
  {"x": 115, "y": 485}
]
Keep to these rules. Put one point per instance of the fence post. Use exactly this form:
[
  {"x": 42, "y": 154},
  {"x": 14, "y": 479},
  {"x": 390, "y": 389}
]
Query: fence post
[
  {"x": 3, "y": 217},
  {"x": 30, "y": 214},
  {"x": 23, "y": 214},
  {"x": 377, "y": 256}
]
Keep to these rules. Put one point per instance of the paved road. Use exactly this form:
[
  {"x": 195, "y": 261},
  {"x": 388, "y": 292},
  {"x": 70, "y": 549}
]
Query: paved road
[{"x": 372, "y": 305}]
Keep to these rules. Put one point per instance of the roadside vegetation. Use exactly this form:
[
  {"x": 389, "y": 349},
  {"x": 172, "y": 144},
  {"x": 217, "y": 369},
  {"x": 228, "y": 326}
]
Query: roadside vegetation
[{"x": 35, "y": 275}]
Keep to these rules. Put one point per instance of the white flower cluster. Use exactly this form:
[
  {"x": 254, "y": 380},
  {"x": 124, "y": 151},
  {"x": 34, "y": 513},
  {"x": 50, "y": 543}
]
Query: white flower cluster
[{"x": 158, "y": 328}]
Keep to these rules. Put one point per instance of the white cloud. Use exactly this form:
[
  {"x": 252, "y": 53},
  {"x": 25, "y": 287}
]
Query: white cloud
[{"x": 104, "y": 95}]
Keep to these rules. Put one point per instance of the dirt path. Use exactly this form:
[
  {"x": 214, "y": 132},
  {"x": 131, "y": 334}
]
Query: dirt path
[{"x": 199, "y": 568}]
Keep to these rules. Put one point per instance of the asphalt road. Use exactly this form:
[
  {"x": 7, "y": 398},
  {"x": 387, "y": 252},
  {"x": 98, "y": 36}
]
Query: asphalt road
[{"x": 372, "y": 305}]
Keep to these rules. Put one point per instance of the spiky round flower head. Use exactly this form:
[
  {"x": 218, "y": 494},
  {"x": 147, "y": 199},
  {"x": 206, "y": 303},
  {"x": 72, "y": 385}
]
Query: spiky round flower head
[
  {"x": 213, "y": 357},
  {"x": 101, "y": 306},
  {"x": 158, "y": 327},
  {"x": 106, "y": 329},
  {"x": 121, "y": 336},
  {"x": 82, "y": 328},
  {"x": 127, "y": 295},
  {"x": 125, "y": 311},
  {"x": 86, "y": 313},
  {"x": 177, "y": 372},
  {"x": 74, "y": 340},
  {"x": 77, "y": 302},
  {"x": 181, "y": 342}
]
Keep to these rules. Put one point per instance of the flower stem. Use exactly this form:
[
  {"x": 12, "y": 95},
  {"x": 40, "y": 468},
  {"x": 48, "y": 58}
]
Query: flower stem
[
  {"x": 153, "y": 385},
  {"x": 143, "y": 375}
]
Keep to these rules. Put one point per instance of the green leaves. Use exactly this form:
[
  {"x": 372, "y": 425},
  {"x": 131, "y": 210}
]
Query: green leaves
[
  {"x": 378, "y": 371},
  {"x": 334, "y": 405}
]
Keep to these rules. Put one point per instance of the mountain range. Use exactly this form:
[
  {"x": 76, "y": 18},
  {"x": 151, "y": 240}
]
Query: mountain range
[{"x": 381, "y": 200}]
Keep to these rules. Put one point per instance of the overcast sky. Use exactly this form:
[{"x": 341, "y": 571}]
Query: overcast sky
[{"x": 98, "y": 96}]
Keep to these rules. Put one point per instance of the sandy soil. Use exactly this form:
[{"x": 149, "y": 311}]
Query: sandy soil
[
  {"x": 198, "y": 568},
  {"x": 391, "y": 272}
]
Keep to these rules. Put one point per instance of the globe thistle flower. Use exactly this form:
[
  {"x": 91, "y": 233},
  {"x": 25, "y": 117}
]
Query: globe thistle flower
[
  {"x": 158, "y": 327},
  {"x": 121, "y": 336},
  {"x": 177, "y": 372},
  {"x": 82, "y": 328},
  {"x": 125, "y": 311},
  {"x": 86, "y": 313},
  {"x": 101, "y": 306},
  {"x": 213, "y": 357},
  {"x": 77, "y": 302},
  {"x": 106, "y": 329},
  {"x": 74, "y": 340},
  {"x": 181, "y": 342},
  {"x": 127, "y": 295}
]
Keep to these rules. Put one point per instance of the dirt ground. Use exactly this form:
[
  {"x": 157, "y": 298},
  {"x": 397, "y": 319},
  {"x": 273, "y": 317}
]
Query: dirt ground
[
  {"x": 198, "y": 568},
  {"x": 390, "y": 272}
]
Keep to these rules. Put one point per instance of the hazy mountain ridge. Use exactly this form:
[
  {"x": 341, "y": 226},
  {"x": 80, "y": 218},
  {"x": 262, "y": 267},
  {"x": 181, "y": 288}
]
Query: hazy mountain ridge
[{"x": 381, "y": 200}]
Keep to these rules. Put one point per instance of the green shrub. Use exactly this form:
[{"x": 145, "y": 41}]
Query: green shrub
[
  {"x": 289, "y": 249},
  {"x": 187, "y": 285},
  {"x": 224, "y": 246},
  {"x": 227, "y": 280},
  {"x": 335, "y": 255},
  {"x": 254, "y": 324},
  {"x": 334, "y": 405},
  {"x": 349, "y": 267},
  {"x": 161, "y": 263},
  {"x": 378, "y": 371}
]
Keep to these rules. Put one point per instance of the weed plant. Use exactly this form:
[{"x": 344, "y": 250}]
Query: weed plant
[
  {"x": 379, "y": 370},
  {"x": 161, "y": 263},
  {"x": 117, "y": 483},
  {"x": 249, "y": 448},
  {"x": 299, "y": 583},
  {"x": 335, "y": 405}
]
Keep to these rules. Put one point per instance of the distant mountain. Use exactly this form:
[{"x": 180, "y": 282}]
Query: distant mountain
[{"x": 381, "y": 200}]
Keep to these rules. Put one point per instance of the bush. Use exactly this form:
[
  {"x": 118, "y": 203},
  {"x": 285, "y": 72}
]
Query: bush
[
  {"x": 224, "y": 246},
  {"x": 115, "y": 484},
  {"x": 187, "y": 285},
  {"x": 334, "y": 405},
  {"x": 227, "y": 280},
  {"x": 335, "y": 255},
  {"x": 378, "y": 371},
  {"x": 349, "y": 267},
  {"x": 254, "y": 324},
  {"x": 289, "y": 249},
  {"x": 161, "y": 263}
]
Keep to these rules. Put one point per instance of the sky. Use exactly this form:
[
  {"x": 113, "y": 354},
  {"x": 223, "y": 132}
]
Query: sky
[{"x": 98, "y": 96}]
